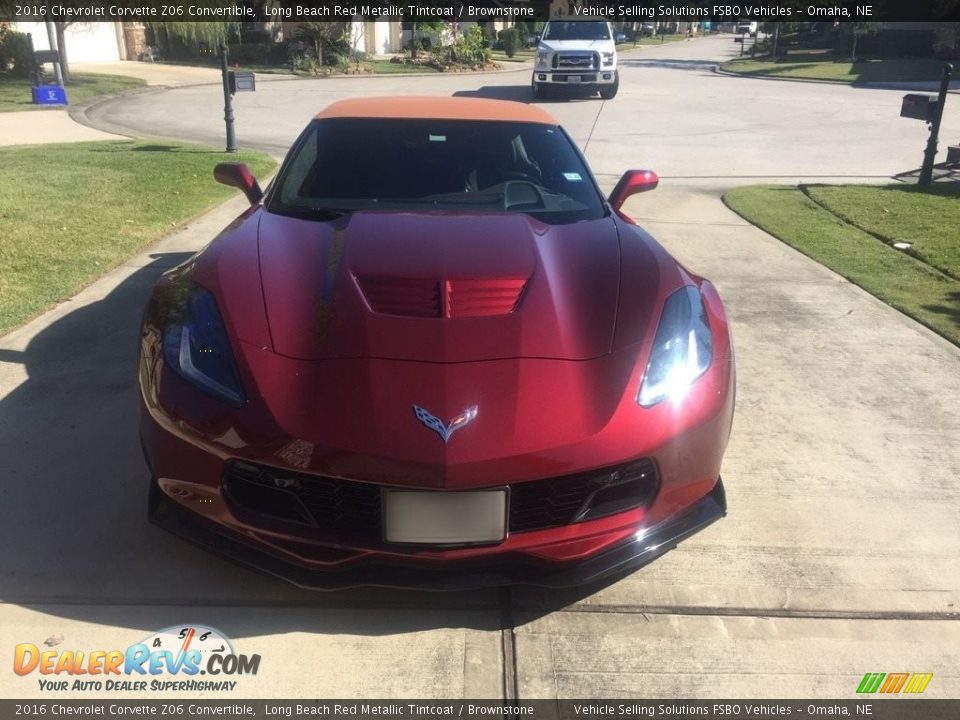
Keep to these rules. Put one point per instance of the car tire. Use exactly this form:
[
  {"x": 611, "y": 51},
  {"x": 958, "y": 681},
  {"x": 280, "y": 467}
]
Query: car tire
[
  {"x": 539, "y": 90},
  {"x": 609, "y": 92}
]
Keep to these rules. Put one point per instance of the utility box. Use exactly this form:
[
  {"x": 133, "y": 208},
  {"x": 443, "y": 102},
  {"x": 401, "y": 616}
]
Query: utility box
[
  {"x": 49, "y": 95},
  {"x": 919, "y": 107},
  {"x": 46, "y": 56},
  {"x": 241, "y": 81}
]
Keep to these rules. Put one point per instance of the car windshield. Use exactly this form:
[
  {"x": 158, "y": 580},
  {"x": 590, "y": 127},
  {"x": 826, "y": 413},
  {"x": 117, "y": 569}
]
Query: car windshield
[
  {"x": 576, "y": 30},
  {"x": 345, "y": 164}
]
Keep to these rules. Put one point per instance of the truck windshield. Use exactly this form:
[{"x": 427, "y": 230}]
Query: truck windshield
[
  {"x": 576, "y": 30},
  {"x": 421, "y": 165}
]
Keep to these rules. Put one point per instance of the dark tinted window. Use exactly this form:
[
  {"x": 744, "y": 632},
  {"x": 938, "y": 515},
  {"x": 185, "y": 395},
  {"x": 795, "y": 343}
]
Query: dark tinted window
[{"x": 445, "y": 165}]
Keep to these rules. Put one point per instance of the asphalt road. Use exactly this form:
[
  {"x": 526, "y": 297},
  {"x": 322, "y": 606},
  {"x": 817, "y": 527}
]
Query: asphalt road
[{"x": 841, "y": 553}]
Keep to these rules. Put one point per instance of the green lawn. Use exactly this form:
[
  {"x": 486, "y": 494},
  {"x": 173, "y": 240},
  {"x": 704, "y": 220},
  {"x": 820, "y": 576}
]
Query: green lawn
[
  {"x": 385, "y": 67},
  {"x": 822, "y": 65},
  {"x": 15, "y": 94},
  {"x": 71, "y": 212},
  {"x": 522, "y": 55},
  {"x": 652, "y": 40},
  {"x": 851, "y": 239}
]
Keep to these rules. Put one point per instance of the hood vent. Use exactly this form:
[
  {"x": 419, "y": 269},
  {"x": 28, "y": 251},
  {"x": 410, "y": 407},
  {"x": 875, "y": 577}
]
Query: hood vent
[{"x": 417, "y": 297}]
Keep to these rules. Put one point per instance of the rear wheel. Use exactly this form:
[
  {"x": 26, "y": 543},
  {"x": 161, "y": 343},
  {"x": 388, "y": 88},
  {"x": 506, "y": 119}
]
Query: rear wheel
[{"x": 609, "y": 92}]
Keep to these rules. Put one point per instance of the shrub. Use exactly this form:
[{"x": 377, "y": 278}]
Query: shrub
[
  {"x": 251, "y": 53},
  {"x": 468, "y": 49},
  {"x": 510, "y": 40},
  {"x": 15, "y": 60}
]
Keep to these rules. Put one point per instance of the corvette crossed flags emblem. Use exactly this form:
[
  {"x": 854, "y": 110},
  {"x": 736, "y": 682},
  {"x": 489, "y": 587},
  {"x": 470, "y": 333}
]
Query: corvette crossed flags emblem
[{"x": 445, "y": 430}]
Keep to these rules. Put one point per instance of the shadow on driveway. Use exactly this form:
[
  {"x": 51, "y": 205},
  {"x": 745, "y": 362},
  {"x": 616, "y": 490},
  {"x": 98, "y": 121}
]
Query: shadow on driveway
[
  {"x": 75, "y": 537},
  {"x": 670, "y": 64},
  {"x": 521, "y": 93}
]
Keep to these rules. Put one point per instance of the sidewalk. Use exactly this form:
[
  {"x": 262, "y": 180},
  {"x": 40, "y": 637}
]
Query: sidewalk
[{"x": 32, "y": 127}]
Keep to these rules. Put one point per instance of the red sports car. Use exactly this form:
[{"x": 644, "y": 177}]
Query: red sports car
[{"x": 433, "y": 355}]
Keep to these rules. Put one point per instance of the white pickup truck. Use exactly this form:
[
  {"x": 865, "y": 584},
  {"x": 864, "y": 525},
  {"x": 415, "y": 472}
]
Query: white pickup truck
[{"x": 576, "y": 54}]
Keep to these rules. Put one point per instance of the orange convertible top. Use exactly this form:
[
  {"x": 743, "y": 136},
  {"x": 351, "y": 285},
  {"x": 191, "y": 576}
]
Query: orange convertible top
[{"x": 441, "y": 108}]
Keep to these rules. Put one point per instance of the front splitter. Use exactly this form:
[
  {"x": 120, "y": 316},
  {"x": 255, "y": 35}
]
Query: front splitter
[{"x": 640, "y": 550}]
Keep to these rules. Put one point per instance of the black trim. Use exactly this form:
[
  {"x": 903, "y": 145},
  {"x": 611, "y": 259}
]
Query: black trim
[{"x": 635, "y": 553}]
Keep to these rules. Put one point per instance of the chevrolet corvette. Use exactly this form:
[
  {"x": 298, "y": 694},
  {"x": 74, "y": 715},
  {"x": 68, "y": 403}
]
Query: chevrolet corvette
[{"x": 433, "y": 354}]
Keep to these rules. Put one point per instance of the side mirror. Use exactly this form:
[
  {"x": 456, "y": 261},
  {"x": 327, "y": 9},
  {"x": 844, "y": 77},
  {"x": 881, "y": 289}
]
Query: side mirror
[
  {"x": 238, "y": 175},
  {"x": 632, "y": 182}
]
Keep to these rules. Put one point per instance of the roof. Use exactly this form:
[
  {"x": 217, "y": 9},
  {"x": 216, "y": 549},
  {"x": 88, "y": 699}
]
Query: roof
[{"x": 440, "y": 108}]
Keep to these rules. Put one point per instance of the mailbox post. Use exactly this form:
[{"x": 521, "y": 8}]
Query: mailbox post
[
  {"x": 227, "y": 101},
  {"x": 930, "y": 154},
  {"x": 234, "y": 81}
]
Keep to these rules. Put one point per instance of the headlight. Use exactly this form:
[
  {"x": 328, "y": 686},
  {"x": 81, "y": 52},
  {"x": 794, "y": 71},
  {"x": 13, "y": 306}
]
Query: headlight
[
  {"x": 608, "y": 58},
  {"x": 542, "y": 57},
  {"x": 197, "y": 349},
  {"x": 682, "y": 349}
]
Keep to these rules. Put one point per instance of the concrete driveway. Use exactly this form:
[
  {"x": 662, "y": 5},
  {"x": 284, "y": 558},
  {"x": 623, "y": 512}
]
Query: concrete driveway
[{"x": 841, "y": 553}]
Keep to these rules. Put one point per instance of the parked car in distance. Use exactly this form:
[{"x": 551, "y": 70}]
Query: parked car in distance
[{"x": 576, "y": 55}]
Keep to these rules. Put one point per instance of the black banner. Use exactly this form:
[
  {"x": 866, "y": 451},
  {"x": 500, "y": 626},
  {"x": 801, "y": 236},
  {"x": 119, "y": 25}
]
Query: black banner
[
  {"x": 475, "y": 10},
  {"x": 879, "y": 709}
]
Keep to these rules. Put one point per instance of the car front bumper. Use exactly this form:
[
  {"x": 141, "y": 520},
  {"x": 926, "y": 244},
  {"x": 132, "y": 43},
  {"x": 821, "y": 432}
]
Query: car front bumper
[
  {"x": 586, "y": 78},
  {"x": 639, "y": 549}
]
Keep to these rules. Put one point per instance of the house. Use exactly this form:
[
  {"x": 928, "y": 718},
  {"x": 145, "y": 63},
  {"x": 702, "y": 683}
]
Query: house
[{"x": 92, "y": 41}]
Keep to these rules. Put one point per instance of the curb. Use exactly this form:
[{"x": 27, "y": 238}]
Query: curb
[
  {"x": 892, "y": 85},
  {"x": 78, "y": 113}
]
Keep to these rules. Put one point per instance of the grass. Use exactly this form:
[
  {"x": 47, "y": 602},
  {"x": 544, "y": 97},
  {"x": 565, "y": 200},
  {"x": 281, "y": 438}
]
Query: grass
[
  {"x": 81, "y": 87},
  {"x": 522, "y": 55},
  {"x": 71, "y": 212},
  {"x": 652, "y": 40},
  {"x": 385, "y": 67},
  {"x": 851, "y": 239},
  {"x": 823, "y": 65}
]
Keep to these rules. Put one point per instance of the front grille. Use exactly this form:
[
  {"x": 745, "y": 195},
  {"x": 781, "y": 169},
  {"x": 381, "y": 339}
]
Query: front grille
[
  {"x": 428, "y": 298},
  {"x": 576, "y": 61},
  {"x": 323, "y": 502},
  {"x": 560, "y": 501},
  {"x": 348, "y": 506}
]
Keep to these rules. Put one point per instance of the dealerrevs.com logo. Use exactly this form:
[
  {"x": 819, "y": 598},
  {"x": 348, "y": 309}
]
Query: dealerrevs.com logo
[{"x": 168, "y": 660}]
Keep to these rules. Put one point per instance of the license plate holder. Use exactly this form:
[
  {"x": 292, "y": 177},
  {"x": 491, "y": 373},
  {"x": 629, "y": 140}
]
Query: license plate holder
[
  {"x": 470, "y": 517},
  {"x": 573, "y": 78}
]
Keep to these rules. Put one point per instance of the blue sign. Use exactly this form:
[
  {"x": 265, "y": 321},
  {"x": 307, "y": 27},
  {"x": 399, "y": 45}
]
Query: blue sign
[{"x": 49, "y": 95}]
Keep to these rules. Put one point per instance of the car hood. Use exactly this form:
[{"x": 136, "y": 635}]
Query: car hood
[
  {"x": 571, "y": 45},
  {"x": 439, "y": 287}
]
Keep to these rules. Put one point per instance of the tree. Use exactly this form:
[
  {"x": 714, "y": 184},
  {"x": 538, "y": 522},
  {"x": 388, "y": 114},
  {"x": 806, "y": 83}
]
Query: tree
[
  {"x": 858, "y": 30},
  {"x": 212, "y": 33},
  {"x": 435, "y": 26},
  {"x": 947, "y": 39},
  {"x": 321, "y": 33}
]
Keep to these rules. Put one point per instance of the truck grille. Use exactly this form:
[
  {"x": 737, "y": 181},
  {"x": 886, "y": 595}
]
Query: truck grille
[{"x": 574, "y": 61}]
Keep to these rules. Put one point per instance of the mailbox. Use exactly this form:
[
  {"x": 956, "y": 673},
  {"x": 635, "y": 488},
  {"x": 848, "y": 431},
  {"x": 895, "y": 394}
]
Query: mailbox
[
  {"x": 46, "y": 56},
  {"x": 919, "y": 107},
  {"x": 241, "y": 81},
  {"x": 49, "y": 95}
]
